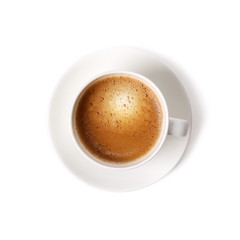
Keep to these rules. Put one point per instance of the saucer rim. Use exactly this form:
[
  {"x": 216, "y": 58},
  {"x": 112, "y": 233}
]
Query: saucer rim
[{"x": 71, "y": 68}]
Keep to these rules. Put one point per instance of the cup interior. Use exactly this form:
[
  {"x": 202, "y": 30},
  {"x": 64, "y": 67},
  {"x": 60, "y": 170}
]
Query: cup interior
[{"x": 141, "y": 160}]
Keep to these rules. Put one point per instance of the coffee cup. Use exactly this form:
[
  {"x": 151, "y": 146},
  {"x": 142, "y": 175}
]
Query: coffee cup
[{"x": 120, "y": 120}]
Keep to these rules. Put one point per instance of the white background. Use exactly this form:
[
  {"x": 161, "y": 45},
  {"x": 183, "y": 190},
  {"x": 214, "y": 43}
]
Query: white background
[{"x": 40, "y": 198}]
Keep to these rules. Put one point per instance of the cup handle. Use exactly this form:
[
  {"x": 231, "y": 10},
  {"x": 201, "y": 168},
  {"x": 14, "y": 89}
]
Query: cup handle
[{"x": 177, "y": 127}]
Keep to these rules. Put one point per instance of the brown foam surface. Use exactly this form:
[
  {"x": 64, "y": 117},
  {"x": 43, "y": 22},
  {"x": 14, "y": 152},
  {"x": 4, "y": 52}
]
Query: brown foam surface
[{"x": 118, "y": 119}]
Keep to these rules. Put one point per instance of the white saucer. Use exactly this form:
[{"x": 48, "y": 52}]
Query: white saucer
[{"x": 120, "y": 59}]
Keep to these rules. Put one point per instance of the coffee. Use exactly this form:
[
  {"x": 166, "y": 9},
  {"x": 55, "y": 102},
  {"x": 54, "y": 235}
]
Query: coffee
[{"x": 118, "y": 118}]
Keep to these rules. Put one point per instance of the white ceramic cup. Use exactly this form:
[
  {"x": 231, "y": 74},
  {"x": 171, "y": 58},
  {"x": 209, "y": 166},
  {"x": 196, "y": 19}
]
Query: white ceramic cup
[{"x": 171, "y": 126}]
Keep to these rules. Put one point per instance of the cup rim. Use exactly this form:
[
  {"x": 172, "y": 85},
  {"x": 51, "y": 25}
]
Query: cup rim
[{"x": 154, "y": 87}]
